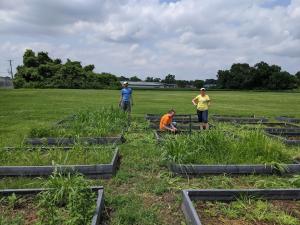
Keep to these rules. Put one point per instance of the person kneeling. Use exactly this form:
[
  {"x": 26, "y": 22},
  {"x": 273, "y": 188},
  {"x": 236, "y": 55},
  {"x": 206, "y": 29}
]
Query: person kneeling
[{"x": 166, "y": 122}]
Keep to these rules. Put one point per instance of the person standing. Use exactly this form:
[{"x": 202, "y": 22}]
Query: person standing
[
  {"x": 126, "y": 101},
  {"x": 202, "y": 102},
  {"x": 166, "y": 122}
]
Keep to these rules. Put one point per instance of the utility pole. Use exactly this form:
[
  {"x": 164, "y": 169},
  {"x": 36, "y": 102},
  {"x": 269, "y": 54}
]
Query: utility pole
[{"x": 10, "y": 71}]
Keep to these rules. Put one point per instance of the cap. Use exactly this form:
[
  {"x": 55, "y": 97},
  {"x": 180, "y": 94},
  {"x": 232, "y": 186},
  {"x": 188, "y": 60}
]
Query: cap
[
  {"x": 202, "y": 89},
  {"x": 125, "y": 82}
]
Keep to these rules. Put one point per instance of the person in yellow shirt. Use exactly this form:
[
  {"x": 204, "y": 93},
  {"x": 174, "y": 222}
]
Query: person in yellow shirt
[
  {"x": 202, "y": 102},
  {"x": 166, "y": 122}
]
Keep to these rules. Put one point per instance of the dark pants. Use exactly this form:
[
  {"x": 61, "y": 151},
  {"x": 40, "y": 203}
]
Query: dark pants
[
  {"x": 202, "y": 116},
  {"x": 126, "y": 106}
]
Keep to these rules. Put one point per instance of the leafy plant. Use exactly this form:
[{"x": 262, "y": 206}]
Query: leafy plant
[
  {"x": 69, "y": 201},
  {"x": 101, "y": 122},
  {"x": 219, "y": 146}
]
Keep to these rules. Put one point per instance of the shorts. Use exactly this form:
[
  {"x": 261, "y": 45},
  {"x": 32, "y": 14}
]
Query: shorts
[
  {"x": 202, "y": 116},
  {"x": 126, "y": 106}
]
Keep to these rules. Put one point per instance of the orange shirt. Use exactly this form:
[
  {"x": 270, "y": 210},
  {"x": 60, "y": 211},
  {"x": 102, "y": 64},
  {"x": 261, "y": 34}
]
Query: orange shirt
[{"x": 165, "y": 121}]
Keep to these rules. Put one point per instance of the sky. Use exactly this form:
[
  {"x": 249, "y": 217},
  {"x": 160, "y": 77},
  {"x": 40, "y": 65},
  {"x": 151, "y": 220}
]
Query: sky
[{"x": 191, "y": 39}]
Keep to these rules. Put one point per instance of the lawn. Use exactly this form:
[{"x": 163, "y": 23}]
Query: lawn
[{"x": 143, "y": 191}]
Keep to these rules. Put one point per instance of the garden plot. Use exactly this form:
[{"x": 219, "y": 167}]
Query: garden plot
[
  {"x": 216, "y": 152},
  {"x": 183, "y": 121},
  {"x": 219, "y": 206},
  {"x": 160, "y": 135},
  {"x": 238, "y": 119},
  {"x": 85, "y": 127},
  {"x": 93, "y": 162},
  {"x": 289, "y": 138},
  {"x": 180, "y": 118},
  {"x": 67, "y": 201},
  {"x": 288, "y": 119}
]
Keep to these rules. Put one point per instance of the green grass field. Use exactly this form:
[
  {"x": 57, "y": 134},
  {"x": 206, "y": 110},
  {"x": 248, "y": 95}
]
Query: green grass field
[{"x": 143, "y": 192}]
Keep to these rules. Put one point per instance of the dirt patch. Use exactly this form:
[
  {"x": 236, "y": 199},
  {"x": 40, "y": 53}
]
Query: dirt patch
[
  {"x": 26, "y": 208},
  {"x": 296, "y": 138},
  {"x": 169, "y": 207},
  {"x": 210, "y": 215}
]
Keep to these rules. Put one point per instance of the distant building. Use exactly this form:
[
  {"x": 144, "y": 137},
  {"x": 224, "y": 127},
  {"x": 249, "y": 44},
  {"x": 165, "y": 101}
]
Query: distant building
[
  {"x": 149, "y": 85},
  {"x": 6, "y": 82},
  {"x": 208, "y": 86}
]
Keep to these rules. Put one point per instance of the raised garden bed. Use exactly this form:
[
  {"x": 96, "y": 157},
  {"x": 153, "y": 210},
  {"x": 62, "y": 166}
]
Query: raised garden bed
[
  {"x": 214, "y": 152},
  {"x": 287, "y": 138},
  {"x": 71, "y": 141},
  {"x": 238, "y": 119},
  {"x": 190, "y": 196},
  {"x": 217, "y": 169},
  {"x": 180, "y": 126},
  {"x": 180, "y": 118},
  {"x": 288, "y": 119},
  {"x": 97, "y": 215},
  {"x": 270, "y": 124},
  {"x": 104, "y": 122},
  {"x": 92, "y": 170},
  {"x": 158, "y": 134}
]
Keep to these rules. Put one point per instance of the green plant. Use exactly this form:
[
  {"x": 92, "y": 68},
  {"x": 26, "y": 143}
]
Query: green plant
[
  {"x": 84, "y": 123},
  {"x": 68, "y": 201},
  {"x": 225, "y": 145},
  {"x": 57, "y": 156}
]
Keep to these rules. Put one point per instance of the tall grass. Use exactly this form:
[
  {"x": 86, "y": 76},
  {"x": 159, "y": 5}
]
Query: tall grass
[
  {"x": 101, "y": 122},
  {"x": 55, "y": 156},
  {"x": 224, "y": 147}
]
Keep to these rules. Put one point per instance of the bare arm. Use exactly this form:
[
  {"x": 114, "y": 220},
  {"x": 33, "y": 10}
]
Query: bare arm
[
  {"x": 170, "y": 129},
  {"x": 193, "y": 101}
]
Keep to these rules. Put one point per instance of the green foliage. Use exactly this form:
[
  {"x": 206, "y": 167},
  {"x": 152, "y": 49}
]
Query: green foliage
[
  {"x": 87, "y": 123},
  {"x": 217, "y": 146},
  {"x": 7, "y": 219},
  {"x": 131, "y": 211},
  {"x": 261, "y": 76},
  {"x": 69, "y": 201},
  {"x": 40, "y": 71},
  {"x": 255, "y": 211},
  {"x": 55, "y": 156}
]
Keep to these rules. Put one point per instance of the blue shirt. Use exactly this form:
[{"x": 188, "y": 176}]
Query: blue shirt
[{"x": 126, "y": 94}]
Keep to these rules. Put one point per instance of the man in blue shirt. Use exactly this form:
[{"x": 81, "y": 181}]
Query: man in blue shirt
[{"x": 126, "y": 100}]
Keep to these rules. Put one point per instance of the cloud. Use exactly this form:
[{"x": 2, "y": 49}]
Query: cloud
[{"x": 190, "y": 38}]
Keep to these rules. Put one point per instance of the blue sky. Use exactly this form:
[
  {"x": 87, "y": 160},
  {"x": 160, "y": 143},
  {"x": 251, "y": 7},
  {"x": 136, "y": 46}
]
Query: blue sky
[{"x": 192, "y": 39}]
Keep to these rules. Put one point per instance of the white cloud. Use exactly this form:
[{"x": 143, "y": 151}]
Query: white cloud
[{"x": 190, "y": 38}]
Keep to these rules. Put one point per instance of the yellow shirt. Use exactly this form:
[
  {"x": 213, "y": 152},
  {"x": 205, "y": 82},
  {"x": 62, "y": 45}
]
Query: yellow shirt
[{"x": 202, "y": 102}]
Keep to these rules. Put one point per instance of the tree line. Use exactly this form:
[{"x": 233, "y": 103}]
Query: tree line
[
  {"x": 40, "y": 71},
  {"x": 260, "y": 76}
]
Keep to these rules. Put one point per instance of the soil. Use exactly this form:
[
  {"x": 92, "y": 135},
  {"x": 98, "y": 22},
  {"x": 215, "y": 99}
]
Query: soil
[
  {"x": 295, "y": 138},
  {"x": 27, "y": 209},
  {"x": 169, "y": 205},
  {"x": 290, "y": 207}
]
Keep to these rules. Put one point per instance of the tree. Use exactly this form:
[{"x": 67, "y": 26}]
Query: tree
[
  {"x": 152, "y": 79},
  {"x": 43, "y": 72},
  {"x": 149, "y": 79},
  {"x": 122, "y": 78},
  {"x": 198, "y": 83},
  {"x": 282, "y": 80},
  {"x": 169, "y": 79},
  {"x": 90, "y": 67},
  {"x": 297, "y": 75},
  {"x": 134, "y": 78},
  {"x": 29, "y": 59}
]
